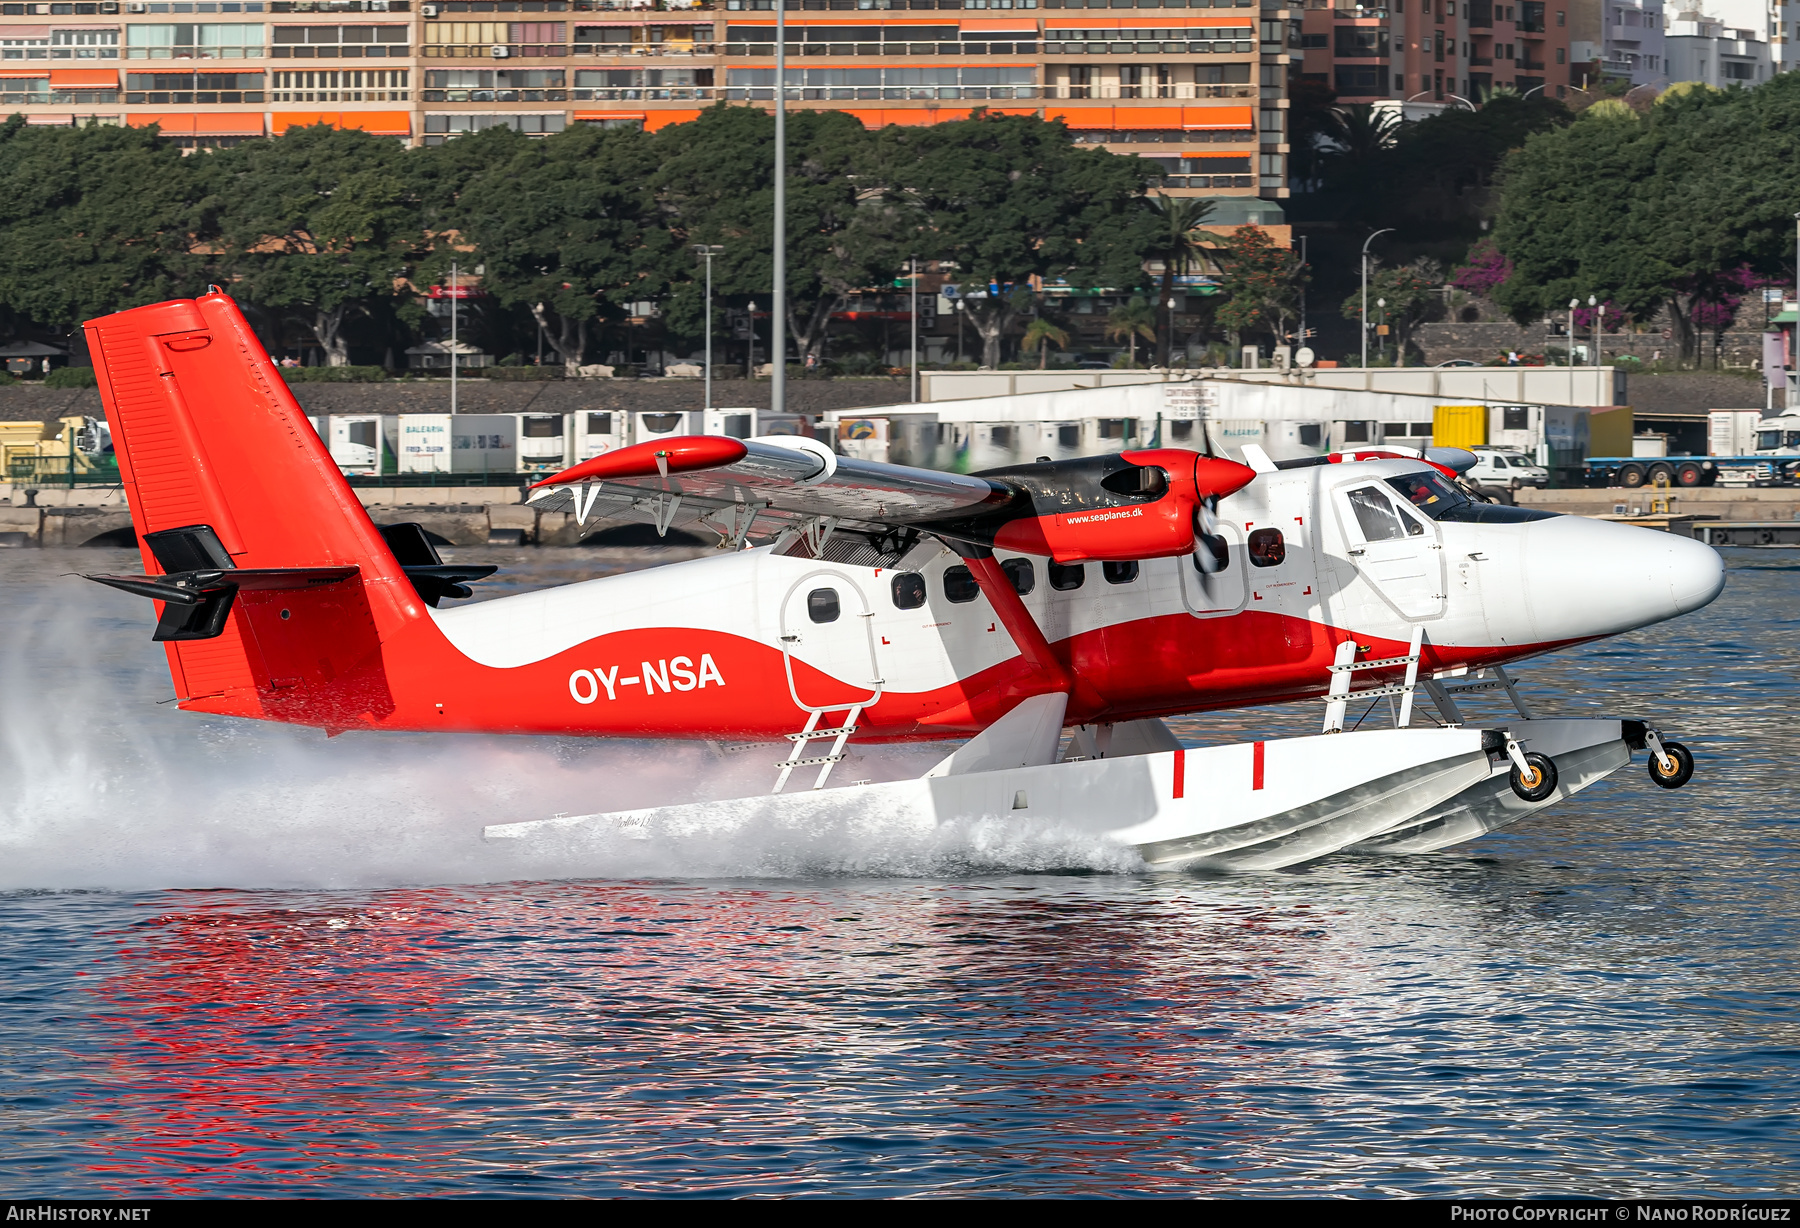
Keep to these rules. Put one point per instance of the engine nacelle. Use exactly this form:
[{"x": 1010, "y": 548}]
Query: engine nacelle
[{"x": 1146, "y": 508}]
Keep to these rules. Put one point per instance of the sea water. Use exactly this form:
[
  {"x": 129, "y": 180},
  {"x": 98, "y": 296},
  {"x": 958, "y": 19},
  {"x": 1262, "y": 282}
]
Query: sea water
[{"x": 240, "y": 960}]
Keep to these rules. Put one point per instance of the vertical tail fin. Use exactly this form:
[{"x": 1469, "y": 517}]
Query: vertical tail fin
[{"x": 207, "y": 434}]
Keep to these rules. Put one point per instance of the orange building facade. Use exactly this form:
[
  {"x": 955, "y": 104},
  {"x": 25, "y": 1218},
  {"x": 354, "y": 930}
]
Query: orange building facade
[{"x": 1198, "y": 85}]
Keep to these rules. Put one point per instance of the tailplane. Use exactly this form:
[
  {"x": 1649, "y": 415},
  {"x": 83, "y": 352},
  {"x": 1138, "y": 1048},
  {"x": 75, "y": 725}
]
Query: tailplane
[{"x": 275, "y": 590}]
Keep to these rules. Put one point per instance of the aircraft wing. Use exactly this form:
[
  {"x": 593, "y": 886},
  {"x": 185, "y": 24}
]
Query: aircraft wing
[{"x": 742, "y": 489}]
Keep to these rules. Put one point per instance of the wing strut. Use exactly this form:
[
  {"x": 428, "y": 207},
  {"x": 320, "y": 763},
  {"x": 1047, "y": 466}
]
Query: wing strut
[{"x": 1052, "y": 674}]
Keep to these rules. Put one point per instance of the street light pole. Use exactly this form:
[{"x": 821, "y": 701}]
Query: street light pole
[
  {"x": 1365, "y": 292},
  {"x": 1573, "y": 304},
  {"x": 707, "y": 251},
  {"x": 915, "y": 329},
  {"x": 778, "y": 322},
  {"x": 453, "y": 292}
]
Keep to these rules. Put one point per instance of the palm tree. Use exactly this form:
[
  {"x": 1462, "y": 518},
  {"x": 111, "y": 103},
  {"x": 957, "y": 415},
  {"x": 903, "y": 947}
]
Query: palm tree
[
  {"x": 1043, "y": 334},
  {"x": 1177, "y": 242},
  {"x": 1135, "y": 319},
  {"x": 1358, "y": 135}
]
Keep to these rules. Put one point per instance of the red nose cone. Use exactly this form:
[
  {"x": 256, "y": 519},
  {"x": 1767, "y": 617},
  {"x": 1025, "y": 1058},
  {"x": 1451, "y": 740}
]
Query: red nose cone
[
  {"x": 1214, "y": 476},
  {"x": 678, "y": 454}
]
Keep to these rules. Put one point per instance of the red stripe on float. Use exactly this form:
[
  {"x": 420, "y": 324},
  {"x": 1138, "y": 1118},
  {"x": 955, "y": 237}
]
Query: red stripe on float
[
  {"x": 1180, "y": 773},
  {"x": 1256, "y": 767}
]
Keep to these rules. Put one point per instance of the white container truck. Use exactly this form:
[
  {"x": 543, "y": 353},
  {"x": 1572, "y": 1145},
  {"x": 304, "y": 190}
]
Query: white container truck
[
  {"x": 363, "y": 445},
  {"x": 597, "y": 432},
  {"x": 543, "y": 442},
  {"x": 425, "y": 443}
]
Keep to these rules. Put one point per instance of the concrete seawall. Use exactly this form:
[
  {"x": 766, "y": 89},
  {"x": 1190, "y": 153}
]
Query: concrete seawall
[{"x": 1724, "y": 503}]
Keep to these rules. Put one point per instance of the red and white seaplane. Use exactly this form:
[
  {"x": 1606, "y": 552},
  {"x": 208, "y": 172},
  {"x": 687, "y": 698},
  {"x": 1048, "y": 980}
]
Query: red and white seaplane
[{"x": 1046, "y": 616}]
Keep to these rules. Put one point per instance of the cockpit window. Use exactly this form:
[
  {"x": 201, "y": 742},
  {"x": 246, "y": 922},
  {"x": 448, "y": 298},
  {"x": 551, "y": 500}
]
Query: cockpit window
[
  {"x": 1433, "y": 494},
  {"x": 1377, "y": 519}
]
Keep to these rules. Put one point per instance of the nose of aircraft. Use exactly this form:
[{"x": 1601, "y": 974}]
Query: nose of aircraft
[{"x": 1594, "y": 577}]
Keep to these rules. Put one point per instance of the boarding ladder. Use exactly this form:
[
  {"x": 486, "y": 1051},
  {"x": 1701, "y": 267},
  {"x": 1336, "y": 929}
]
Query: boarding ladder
[{"x": 797, "y": 757}]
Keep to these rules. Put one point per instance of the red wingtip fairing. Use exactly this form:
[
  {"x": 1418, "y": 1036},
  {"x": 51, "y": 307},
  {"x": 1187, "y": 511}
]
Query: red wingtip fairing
[{"x": 679, "y": 454}]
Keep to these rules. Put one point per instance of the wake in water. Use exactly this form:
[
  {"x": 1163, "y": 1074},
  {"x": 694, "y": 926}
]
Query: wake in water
[{"x": 105, "y": 784}]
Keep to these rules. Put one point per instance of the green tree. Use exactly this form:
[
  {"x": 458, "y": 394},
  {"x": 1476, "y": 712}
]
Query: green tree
[
  {"x": 1261, "y": 285},
  {"x": 568, "y": 229},
  {"x": 1010, "y": 198},
  {"x": 319, "y": 222},
  {"x": 1177, "y": 243},
  {"x": 1127, "y": 323},
  {"x": 1412, "y": 294},
  {"x": 715, "y": 184},
  {"x": 94, "y": 220},
  {"x": 1654, "y": 211}
]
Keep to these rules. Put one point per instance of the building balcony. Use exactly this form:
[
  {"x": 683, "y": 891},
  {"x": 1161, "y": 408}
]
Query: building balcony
[
  {"x": 645, "y": 49},
  {"x": 1188, "y": 91}
]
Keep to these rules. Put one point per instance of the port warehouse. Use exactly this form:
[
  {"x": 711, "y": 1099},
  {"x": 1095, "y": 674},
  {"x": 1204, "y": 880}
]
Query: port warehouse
[
  {"x": 987, "y": 431},
  {"x": 1016, "y": 417}
]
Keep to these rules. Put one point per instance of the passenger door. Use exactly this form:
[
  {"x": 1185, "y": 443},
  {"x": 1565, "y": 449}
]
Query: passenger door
[
  {"x": 1396, "y": 551},
  {"x": 827, "y": 624}
]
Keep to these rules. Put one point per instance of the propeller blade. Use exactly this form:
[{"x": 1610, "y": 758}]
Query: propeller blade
[{"x": 1208, "y": 545}]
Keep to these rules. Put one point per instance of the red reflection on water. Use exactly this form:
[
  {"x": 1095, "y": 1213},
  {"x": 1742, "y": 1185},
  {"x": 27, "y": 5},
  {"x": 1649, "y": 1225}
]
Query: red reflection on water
[{"x": 260, "y": 1039}]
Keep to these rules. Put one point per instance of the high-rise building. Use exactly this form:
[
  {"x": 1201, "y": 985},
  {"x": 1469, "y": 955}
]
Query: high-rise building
[
  {"x": 1198, "y": 85},
  {"x": 1440, "y": 51}
]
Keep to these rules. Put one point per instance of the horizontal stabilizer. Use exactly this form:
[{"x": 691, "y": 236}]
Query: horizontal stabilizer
[{"x": 196, "y": 603}]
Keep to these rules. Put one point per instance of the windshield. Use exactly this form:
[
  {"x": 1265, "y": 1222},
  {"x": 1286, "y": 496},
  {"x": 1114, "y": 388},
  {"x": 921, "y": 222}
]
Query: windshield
[{"x": 1433, "y": 494}]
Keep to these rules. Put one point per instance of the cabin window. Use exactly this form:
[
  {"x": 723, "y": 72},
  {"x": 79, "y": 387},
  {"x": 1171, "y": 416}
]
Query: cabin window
[
  {"x": 909, "y": 590},
  {"x": 1022, "y": 574},
  {"x": 959, "y": 585},
  {"x": 1119, "y": 573},
  {"x": 1066, "y": 579},
  {"x": 1267, "y": 549},
  {"x": 822, "y": 605},
  {"x": 1377, "y": 519}
]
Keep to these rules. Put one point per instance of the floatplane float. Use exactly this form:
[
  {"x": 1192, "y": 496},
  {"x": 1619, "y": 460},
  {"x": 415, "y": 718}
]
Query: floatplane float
[{"x": 1047, "y": 617}]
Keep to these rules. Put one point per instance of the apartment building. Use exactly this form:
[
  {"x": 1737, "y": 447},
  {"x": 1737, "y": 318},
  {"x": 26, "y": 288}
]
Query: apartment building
[
  {"x": 1198, "y": 85},
  {"x": 1446, "y": 51},
  {"x": 1709, "y": 50},
  {"x": 1631, "y": 45}
]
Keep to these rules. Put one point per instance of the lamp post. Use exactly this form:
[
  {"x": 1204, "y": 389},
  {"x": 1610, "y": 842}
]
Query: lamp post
[
  {"x": 1381, "y": 338},
  {"x": 454, "y": 283},
  {"x": 1599, "y": 332},
  {"x": 706, "y": 252},
  {"x": 1573, "y": 304},
  {"x": 1365, "y": 292},
  {"x": 750, "y": 312},
  {"x": 778, "y": 310},
  {"x": 913, "y": 365}
]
